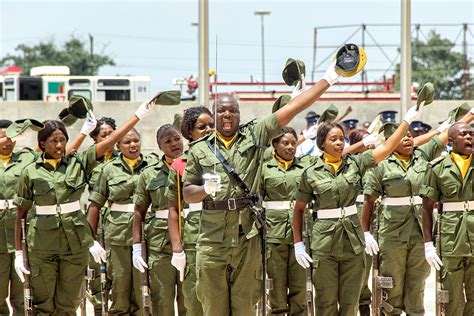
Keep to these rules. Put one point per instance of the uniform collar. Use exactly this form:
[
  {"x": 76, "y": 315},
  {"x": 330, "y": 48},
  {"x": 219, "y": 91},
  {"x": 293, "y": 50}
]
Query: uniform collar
[
  {"x": 120, "y": 161},
  {"x": 296, "y": 163}
]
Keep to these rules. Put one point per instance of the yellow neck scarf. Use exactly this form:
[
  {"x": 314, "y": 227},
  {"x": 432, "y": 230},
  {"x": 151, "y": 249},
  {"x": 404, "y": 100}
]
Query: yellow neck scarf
[
  {"x": 405, "y": 160},
  {"x": 332, "y": 161},
  {"x": 107, "y": 155},
  {"x": 5, "y": 159},
  {"x": 462, "y": 162},
  {"x": 169, "y": 161},
  {"x": 52, "y": 162},
  {"x": 227, "y": 141},
  {"x": 132, "y": 163},
  {"x": 285, "y": 164}
]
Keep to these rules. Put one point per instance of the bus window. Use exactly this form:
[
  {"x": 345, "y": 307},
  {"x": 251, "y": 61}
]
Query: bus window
[
  {"x": 31, "y": 88},
  {"x": 85, "y": 93},
  {"x": 1, "y": 91},
  {"x": 113, "y": 82},
  {"x": 115, "y": 95},
  {"x": 79, "y": 83}
]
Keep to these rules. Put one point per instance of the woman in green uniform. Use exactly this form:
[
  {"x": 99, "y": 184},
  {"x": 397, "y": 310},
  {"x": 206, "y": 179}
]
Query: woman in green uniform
[
  {"x": 59, "y": 236},
  {"x": 333, "y": 182},
  {"x": 150, "y": 195},
  {"x": 183, "y": 232},
  {"x": 280, "y": 178}
]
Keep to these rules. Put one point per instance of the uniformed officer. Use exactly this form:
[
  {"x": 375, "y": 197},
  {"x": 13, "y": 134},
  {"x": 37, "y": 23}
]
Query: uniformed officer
[
  {"x": 228, "y": 249},
  {"x": 11, "y": 164},
  {"x": 449, "y": 180},
  {"x": 418, "y": 128},
  {"x": 150, "y": 195},
  {"x": 311, "y": 119},
  {"x": 279, "y": 179},
  {"x": 197, "y": 122},
  {"x": 333, "y": 183},
  {"x": 397, "y": 180},
  {"x": 59, "y": 236}
]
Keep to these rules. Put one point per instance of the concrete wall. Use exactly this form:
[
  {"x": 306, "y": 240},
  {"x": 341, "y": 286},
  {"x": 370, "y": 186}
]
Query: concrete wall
[{"x": 120, "y": 111}]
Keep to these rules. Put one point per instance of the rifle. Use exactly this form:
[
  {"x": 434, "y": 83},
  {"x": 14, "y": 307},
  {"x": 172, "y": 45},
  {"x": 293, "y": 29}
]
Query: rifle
[
  {"x": 379, "y": 297},
  {"x": 309, "y": 281},
  {"x": 442, "y": 296},
  {"x": 104, "y": 291},
  {"x": 146, "y": 301},
  {"x": 28, "y": 299}
]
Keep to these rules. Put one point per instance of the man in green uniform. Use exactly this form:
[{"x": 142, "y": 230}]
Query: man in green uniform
[
  {"x": 449, "y": 180},
  {"x": 228, "y": 249}
]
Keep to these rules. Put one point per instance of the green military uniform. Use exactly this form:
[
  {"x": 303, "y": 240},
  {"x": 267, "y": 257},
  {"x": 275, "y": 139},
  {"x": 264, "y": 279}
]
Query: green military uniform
[
  {"x": 337, "y": 243},
  {"x": 277, "y": 184},
  {"x": 114, "y": 188},
  {"x": 228, "y": 258},
  {"x": 443, "y": 183},
  {"x": 57, "y": 244},
  {"x": 164, "y": 278},
  {"x": 402, "y": 254},
  {"x": 95, "y": 286},
  {"x": 10, "y": 284}
]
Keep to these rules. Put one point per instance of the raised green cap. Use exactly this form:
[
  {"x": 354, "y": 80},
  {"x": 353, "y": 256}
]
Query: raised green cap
[
  {"x": 388, "y": 129},
  {"x": 21, "y": 126},
  {"x": 172, "y": 97},
  {"x": 457, "y": 113},
  {"x": 426, "y": 94},
  {"x": 77, "y": 109},
  {"x": 293, "y": 70},
  {"x": 328, "y": 115},
  {"x": 281, "y": 102}
]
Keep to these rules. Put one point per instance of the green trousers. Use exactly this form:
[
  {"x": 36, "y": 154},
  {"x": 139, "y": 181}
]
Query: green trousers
[
  {"x": 338, "y": 281},
  {"x": 289, "y": 278},
  {"x": 366, "y": 295},
  {"x": 56, "y": 281},
  {"x": 458, "y": 279},
  {"x": 229, "y": 278},
  {"x": 10, "y": 283},
  {"x": 126, "y": 294},
  {"x": 405, "y": 262},
  {"x": 192, "y": 304}
]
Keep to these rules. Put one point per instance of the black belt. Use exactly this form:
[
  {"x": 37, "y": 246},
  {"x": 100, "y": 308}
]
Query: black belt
[{"x": 230, "y": 204}]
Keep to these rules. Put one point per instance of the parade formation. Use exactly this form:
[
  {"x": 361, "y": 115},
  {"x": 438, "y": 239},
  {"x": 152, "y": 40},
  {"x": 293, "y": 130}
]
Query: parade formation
[{"x": 247, "y": 218}]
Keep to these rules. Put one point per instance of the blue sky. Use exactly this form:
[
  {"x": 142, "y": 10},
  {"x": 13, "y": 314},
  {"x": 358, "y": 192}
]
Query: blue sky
[{"x": 156, "y": 38}]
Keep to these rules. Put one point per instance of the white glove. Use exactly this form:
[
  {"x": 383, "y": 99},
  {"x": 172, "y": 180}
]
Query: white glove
[
  {"x": 98, "y": 252},
  {"x": 145, "y": 109},
  {"x": 311, "y": 132},
  {"x": 89, "y": 124},
  {"x": 471, "y": 111},
  {"x": 370, "y": 139},
  {"x": 212, "y": 183},
  {"x": 301, "y": 256},
  {"x": 179, "y": 262},
  {"x": 331, "y": 76},
  {"x": 412, "y": 114},
  {"x": 371, "y": 246},
  {"x": 20, "y": 265},
  {"x": 431, "y": 256},
  {"x": 444, "y": 126},
  {"x": 299, "y": 88},
  {"x": 137, "y": 258}
]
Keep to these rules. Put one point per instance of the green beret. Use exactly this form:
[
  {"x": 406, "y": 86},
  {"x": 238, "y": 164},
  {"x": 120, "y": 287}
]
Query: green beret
[
  {"x": 328, "y": 115},
  {"x": 172, "y": 97},
  {"x": 77, "y": 109},
  {"x": 426, "y": 94},
  {"x": 293, "y": 70},
  {"x": 20, "y": 126},
  {"x": 281, "y": 102}
]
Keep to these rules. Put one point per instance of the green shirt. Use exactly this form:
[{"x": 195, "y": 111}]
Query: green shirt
[
  {"x": 116, "y": 184},
  {"x": 9, "y": 179},
  {"x": 94, "y": 176},
  {"x": 319, "y": 184},
  {"x": 391, "y": 179},
  {"x": 278, "y": 184},
  {"x": 245, "y": 155},
  {"x": 41, "y": 184},
  {"x": 443, "y": 183}
]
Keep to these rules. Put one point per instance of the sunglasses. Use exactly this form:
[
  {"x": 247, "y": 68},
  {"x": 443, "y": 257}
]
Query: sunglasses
[{"x": 203, "y": 127}]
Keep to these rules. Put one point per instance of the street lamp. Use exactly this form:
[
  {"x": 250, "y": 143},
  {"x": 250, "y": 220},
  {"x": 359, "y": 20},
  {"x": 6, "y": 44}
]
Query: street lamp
[{"x": 262, "y": 14}]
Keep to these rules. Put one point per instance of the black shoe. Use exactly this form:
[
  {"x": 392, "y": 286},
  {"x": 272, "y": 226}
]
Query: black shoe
[{"x": 364, "y": 310}]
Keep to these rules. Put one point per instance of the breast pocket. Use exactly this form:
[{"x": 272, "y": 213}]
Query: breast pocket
[
  {"x": 323, "y": 187},
  {"x": 119, "y": 186},
  {"x": 449, "y": 189},
  {"x": 41, "y": 187},
  {"x": 156, "y": 188},
  {"x": 393, "y": 184},
  {"x": 212, "y": 226},
  {"x": 278, "y": 222}
]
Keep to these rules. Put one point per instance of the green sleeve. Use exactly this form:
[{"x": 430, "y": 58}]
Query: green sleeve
[
  {"x": 100, "y": 193},
  {"x": 171, "y": 192},
  {"x": 430, "y": 185},
  {"x": 433, "y": 148},
  {"x": 141, "y": 196},
  {"x": 305, "y": 191},
  {"x": 193, "y": 171},
  {"x": 365, "y": 161},
  {"x": 24, "y": 196},
  {"x": 89, "y": 158},
  {"x": 373, "y": 182},
  {"x": 267, "y": 129}
]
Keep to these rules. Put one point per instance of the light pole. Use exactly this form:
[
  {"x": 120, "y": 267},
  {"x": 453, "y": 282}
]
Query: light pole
[
  {"x": 262, "y": 14},
  {"x": 203, "y": 76}
]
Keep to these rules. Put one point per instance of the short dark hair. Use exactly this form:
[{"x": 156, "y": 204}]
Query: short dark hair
[
  {"x": 162, "y": 130},
  {"x": 50, "y": 126},
  {"x": 190, "y": 117},
  {"x": 323, "y": 132},
  {"x": 5, "y": 123},
  {"x": 357, "y": 135},
  {"x": 286, "y": 130},
  {"x": 103, "y": 120}
]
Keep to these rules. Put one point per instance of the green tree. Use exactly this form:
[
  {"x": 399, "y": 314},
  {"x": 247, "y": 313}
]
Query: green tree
[
  {"x": 435, "y": 61},
  {"x": 73, "y": 54}
]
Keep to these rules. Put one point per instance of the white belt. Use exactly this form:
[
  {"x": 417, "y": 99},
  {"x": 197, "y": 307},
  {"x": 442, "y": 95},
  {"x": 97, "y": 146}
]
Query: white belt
[
  {"x": 277, "y": 205},
  {"x": 458, "y": 206},
  {"x": 128, "y": 208},
  {"x": 360, "y": 198},
  {"x": 163, "y": 214},
  {"x": 193, "y": 207},
  {"x": 6, "y": 204},
  {"x": 401, "y": 201},
  {"x": 58, "y": 209},
  {"x": 337, "y": 212}
]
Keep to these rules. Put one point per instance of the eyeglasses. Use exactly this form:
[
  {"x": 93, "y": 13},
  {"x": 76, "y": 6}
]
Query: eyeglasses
[{"x": 202, "y": 127}]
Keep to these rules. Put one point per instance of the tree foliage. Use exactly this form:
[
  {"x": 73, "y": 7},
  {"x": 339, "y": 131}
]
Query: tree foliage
[
  {"x": 73, "y": 54},
  {"x": 435, "y": 61}
]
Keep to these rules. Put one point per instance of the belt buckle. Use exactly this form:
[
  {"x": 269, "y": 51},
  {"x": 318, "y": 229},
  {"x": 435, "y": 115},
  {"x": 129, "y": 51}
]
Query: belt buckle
[
  {"x": 466, "y": 206},
  {"x": 231, "y": 205},
  {"x": 412, "y": 200},
  {"x": 343, "y": 212},
  {"x": 7, "y": 206},
  {"x": 58, "y": 209}
]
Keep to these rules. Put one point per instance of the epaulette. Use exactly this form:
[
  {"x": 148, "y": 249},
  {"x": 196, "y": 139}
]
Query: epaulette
[
  {"x": 201, "y": 139},
  {"x": 28, "y": 150},
  {"x": 251, "y": 122},
  {"x": 436, "y": 160}
]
